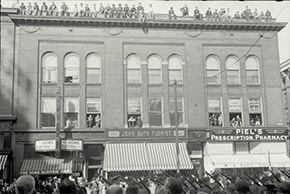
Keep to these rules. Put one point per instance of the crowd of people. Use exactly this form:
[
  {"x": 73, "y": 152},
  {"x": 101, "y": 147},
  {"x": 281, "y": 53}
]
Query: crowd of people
[
  {"x": 170, "y": 183},
  {"x": 124, "y": 11}
]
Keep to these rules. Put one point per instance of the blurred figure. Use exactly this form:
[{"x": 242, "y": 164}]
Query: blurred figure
[{"x": 25, "y": 184}]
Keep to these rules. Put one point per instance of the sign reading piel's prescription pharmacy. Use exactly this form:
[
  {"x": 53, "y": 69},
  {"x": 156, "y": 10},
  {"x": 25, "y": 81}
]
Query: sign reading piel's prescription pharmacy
[
  {"x": 71, "y": 145},
  {"x": 45, "y": 145},
  {"x": 249, "y": 134}
]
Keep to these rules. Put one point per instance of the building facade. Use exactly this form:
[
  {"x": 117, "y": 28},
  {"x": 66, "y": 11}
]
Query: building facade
[
  {"x": 109, "y": 82},
  {"x": 285, "y": 68}
]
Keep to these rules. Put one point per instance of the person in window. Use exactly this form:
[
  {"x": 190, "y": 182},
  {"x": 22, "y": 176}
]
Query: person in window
[
  {"x": 233, "y": 122},
  {"x": 238, "y": 121},
  {"x": 139, "y": 122},
  {"x": 131, "y": 122},
  {"x": 90, "y": 121},
  {"x": 252, "y": 122},
  {"x": 208, "y": 14},
  {"x": 220, "y": 121},
  {"x": 171, "y": 14},
  {"x": 258, "y": 121},
  {"x": 69, "y": 124},
  {"x": 184, "y": 11},
  {"x": 98, "y": 121}
]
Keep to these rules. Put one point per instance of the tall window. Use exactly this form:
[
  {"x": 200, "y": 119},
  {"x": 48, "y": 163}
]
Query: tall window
[
  {"x": 133, "y": 69},
  {"x": 235, "y": 110},
  {"x": 71, "y": 68},
  {"x": 252, "y": 70},
  {"x": 215, "y": 112},
  {"x": 175, "y": 70},
  {"x": 93, "y": 69},
  {"x": 213, "y": 69},
  {"x": 155, "y": 111},
  {"x": 93, "y": 112},
  {"x": 134, "y": 112},
  {"x": 48, "y": 110},
  {"x": 71, "y": 112},
  {"x": 179, "y": 111},
  {"x": 154, "y": 69},
  {"x": 233, "y": 70},
  {"x": 255, "y": 111},
  {"x": 49, "y": 68}
]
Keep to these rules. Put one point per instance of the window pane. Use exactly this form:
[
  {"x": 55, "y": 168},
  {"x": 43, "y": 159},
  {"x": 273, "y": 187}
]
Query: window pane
[
  {"x": 71, "y": 105},
  {"x": 72, "y": 60},
  {"x": 232, "y": 63},
  {"x": 154, "y": 62},
  {"x": 233, "y": 76},
  {"x": 47, "y": 120},
  {"x": 175, "y": 63},
  {"x": 179, "y": 118},
  {"x": 235, "y": 105},
  {"x": 254, "y": 105},
  {"x": 236, "y": 119},
  {"x": 252, "y": 76},
  {"x": 93, "y": 105},
  {"x": 70, "y": 120},
  {"x": 49, "y": 68},
  {"x": 134, "y": 105},
  {"x": 133, "y": 62},
  {"x": 71, "y": 75},
  {"x": 154, "y": 76},
  {"x": 155, "y": 119},
  {"x": 93, "y": 76},
  {"x": 93, "y": 120},
  {"x": 256, "y": 120},
  {"x": 215, "y": 119},
  {"x": 213, "y": 76},
  {"x": 212, "y": 63},
  {"x": 48, "y": 105},
  {"x": 134, "y": 120},
  {"x": 155, "y": 104},
  {"x": 93, "y": 61},
  {"x": 134, "y": 76},
  {"x": 214, "y": 105},
  {"x": 175, "y": 75},
  {"x": 252, "y": 63},
  {"x": 179, "y": 104}
]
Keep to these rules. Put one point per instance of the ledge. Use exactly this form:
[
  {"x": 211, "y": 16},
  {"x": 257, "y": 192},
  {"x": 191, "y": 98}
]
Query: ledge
[{"x": 159, "y": 23}]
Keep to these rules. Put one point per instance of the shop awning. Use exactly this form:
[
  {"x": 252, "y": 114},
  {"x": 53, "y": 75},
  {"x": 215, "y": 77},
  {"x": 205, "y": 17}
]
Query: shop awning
[
  {"x": 278, "y": 160},
  {"x": 144, "y": 156},
  {"x": 125, "y": 157},
  {"x": 3, "y": 160},
  {"x": 162, "y": 156},
  {"x": 46, "y": 166}
]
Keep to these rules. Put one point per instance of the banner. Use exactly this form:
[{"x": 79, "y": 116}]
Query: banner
[
  {"x": 71, "y": 145},
  {"x": 45, "y": 145}
]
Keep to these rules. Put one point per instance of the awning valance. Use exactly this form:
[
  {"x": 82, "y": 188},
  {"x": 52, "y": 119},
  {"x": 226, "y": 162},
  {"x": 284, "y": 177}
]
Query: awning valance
[
  {"x": 249, "y": 160},
  {"x": 145, "y": 156},
  {"x": 46, "y": 166},
  {"x": 3, "y": 160}
]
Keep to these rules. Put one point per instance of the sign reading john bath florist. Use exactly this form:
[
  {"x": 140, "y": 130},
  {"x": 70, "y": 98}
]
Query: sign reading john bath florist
[{"x": 249, "y": 134}]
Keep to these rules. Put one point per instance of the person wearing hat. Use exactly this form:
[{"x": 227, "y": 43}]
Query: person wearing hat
[
  {"x": 25, "y": 184},
  {"x": 114, "y": 189},
  {"x": 173, "y": 186}
]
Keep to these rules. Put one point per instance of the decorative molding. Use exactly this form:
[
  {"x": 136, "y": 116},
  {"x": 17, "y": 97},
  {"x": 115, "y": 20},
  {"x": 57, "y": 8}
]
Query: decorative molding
[
  {"x": 193, "y": 34},
  {"x": 30, "y": 29},
  {"x": 113, "y": 32}
]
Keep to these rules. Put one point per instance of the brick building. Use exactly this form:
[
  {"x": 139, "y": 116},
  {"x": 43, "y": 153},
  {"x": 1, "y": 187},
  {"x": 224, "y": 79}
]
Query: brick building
[{"x": 104, "y": 74}]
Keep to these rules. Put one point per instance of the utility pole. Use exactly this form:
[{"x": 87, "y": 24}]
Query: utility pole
[
  {"x": 57, "y": 120},
  {"x": 176, "y": 128}
]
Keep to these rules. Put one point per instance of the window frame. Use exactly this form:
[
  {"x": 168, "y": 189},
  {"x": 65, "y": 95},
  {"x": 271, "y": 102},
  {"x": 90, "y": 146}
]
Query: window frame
[
  {"x": 230, "y": 69},
  {"x": 212, "y": 112},
  {"x": 71, "y": 68},
  {"x": 161, "y": 111},
  {"x": 42, "y": 112},
  {"x": 236, "y": 112},
  {"x": 256, "y": 111},
  {"x": 132, "y": 69},
  {"x": 253, "y": 70},
  {"x": 151, "y": 69},
  {"x": 98, "y": 67},
  {"x": 172, "y": 69},
  {"x": 94, "y": 113},
  {"x": 217, "y": 70},
  {"x": 78, "y": 112},
  {"x": 44, "y": 67},
  {"x": 179, "y": 99}
]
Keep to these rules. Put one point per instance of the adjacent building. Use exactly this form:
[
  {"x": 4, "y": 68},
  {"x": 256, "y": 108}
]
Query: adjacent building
[{"x": 110, "y": 86}]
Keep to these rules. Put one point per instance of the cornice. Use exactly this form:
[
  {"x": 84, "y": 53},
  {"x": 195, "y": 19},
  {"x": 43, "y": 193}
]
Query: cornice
[{"x": 179, "y": 24}]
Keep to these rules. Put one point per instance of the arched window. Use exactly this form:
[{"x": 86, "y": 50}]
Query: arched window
[
  {"x": 213, "y": 69},
  {"x": 233, "y": 70},
  {"x": 252, "y": 70},
  {"x": 71, "y": 68},
  {"x": 93, "y": 64},
  {"x": 49, "y": 68},
  {"x": 175, "y": 70},
  {"x": 154, "y": 69},
  {"x": 133, "y": 69}
]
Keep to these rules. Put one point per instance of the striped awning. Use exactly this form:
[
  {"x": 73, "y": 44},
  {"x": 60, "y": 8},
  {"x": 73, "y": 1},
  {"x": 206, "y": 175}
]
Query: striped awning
[
  {"x": 162, "y": 156},
  {"x": 125, "y": 157},
  {"x": 3, "y": 159},
  {"x": 144, "y": 156},
  {"x": 46, "y": 166}
]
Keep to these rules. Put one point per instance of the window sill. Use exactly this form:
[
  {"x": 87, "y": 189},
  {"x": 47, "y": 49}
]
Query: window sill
[
  {"x": 134, "y": 84},
  {"x": 234, "y": 85},
  {"x": 257, "y": 84},
  {"x": 93, "y": 84},
  {"x": 213, "y": 84},
  {"x": 172, "y": 84},
  {"x": 45, "y": 83},
  {"x": 71, "y": 84},
  {"x": 155, "y": 84}
]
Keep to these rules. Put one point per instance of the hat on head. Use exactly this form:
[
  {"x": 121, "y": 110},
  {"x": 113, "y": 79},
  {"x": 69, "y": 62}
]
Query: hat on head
[{"x": 25, "y": 184}]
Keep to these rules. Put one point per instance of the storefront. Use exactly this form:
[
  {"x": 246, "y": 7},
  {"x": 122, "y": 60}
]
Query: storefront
[{"x": 243, "y": 147}]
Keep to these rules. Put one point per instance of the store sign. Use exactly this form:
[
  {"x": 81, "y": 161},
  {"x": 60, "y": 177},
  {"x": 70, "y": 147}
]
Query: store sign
[
  {"x": 249, "y": 134},
  {"x": 71, "y": 145},
  {"x": 45, "y": 145},
  {"x": 148, "y": 133}
]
